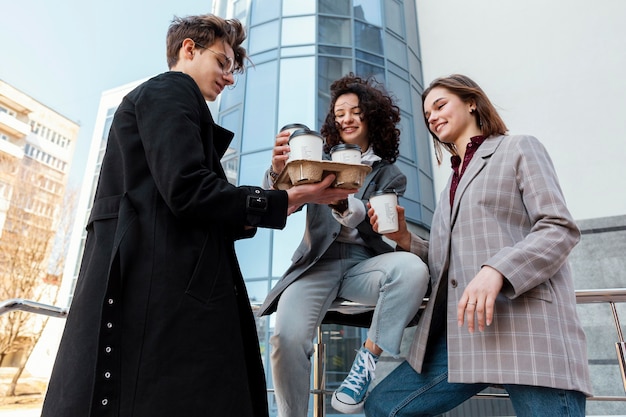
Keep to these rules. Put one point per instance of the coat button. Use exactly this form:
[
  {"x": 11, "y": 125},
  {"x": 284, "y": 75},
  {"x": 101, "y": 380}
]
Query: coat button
[
  {"x": 110, "y": 301},
  {"x": 108, "y": 349},
  {"x": 453, "y": 283},
  {"x": 107, "y": 375},
  {"x": 105, "y": 401},
  {"x": 109, "y": 325}
]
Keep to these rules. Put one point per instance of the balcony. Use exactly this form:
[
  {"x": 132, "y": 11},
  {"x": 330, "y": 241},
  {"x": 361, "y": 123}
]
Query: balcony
[{"x": 13, "y": 126}]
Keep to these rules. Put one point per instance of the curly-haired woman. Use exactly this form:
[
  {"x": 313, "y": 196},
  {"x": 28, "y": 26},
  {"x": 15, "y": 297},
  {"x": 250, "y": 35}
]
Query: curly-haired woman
[{"x": 341, "y": 256}]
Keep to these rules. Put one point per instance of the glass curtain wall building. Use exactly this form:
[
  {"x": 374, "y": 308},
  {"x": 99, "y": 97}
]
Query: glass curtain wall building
[{"x": 298, "y": 48}]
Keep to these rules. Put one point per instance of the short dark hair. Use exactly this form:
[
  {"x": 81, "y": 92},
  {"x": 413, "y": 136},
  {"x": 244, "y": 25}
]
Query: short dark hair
[{"x": 205, "y": 29}]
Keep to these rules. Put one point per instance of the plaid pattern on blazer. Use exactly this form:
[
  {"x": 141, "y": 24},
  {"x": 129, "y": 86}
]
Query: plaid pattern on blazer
[{"x": 509, "y": 213}]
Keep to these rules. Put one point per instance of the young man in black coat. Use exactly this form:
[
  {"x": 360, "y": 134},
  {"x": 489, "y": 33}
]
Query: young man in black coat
[{"x": 160, "y": 323}]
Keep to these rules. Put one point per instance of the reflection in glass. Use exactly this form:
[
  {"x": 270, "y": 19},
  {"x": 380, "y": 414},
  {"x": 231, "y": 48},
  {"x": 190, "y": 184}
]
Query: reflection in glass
[
  {"x": 254, "y": 165},
  {"x": 334, "y": 7},
  {"x": 394, "y": 14},
  {"x": 263, "y": 37},
  {"x": 233, "y": 95},
  {"x": 257, "y": 290},
  {"x": 264, "y": 10},
  {"x": 368, "y": 37},
  {"x": 297, "y": 98},
  {"x": 230, "y": 165},
  {"x": 396, "y": 51},
  {"x": 286, "y": 241},
  {"x": 254, "y": 255},
  {"x": 258, "y": 128},
  {"x": 334, "y": 31},
  {"x": 291, "y": 8},
  {"x": 365, "y": 69},
  {"x": 298, "y": 31},
  {"x": 328, "y": 70},
  {"x": 230, "y": 121},
  {"x": 369, "y": 11},
  {"x": 334, "y": 50},
  {"x": 407, "y": 137}
]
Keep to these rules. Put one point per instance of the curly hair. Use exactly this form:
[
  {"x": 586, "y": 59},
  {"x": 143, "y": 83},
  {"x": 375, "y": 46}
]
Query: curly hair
[
  {"x": 378, "y": 108},
  {"x": 206, "y": 29}
]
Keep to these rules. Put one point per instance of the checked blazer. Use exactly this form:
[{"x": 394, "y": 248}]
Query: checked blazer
[{"x": 509, "y": 213}]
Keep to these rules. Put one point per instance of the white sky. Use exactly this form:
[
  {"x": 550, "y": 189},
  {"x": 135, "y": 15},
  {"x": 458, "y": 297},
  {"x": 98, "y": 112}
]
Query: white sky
[{"x": 555, "y": 69}]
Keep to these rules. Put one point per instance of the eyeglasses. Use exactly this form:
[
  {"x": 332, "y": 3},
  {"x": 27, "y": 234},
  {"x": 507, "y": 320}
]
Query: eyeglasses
[{"x": 228, "y": 67}]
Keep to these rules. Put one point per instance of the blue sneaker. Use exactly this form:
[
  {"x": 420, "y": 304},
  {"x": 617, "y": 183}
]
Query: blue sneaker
[{"x": 349, "y": 397}]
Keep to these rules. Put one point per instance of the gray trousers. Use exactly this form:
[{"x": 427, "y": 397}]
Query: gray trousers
[{"x": 395, "y": 282}]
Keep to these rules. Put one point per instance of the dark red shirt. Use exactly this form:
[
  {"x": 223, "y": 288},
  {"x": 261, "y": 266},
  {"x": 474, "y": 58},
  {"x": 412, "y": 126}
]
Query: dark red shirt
[{"x": 455, "y": 161}]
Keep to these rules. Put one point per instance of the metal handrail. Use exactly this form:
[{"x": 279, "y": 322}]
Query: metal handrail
[
  {"x": 611, "y": 296},
  {"x": 32, "y": 307}
]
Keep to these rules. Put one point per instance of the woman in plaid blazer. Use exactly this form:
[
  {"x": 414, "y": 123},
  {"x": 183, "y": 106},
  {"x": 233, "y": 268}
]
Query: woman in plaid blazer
[{"x": 502, "y": 309}]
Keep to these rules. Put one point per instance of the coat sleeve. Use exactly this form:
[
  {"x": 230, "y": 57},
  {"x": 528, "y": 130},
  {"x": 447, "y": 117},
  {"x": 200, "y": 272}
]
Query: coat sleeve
[
  {"x": 552, "y": 232},
  {"x": 176, "y": 132}
]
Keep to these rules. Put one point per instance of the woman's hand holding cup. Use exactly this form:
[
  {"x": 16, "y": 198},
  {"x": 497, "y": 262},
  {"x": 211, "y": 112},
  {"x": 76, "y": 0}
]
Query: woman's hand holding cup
[{"x": 402, "y": 236}]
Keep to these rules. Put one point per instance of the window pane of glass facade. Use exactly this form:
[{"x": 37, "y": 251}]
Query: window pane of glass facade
[
  {"x": 394, "y": 17},
  {"x": 371, "y": 58},
  {"x": 297, "y": 51},
  {"x": 401, "y": 89},
  {"x": 254, "y": 165},
  {"x": 341, "y": 7},
  {"x": 330, "y": 69},
  {"x": 231, "y": 122},
  {"x": 286, "y": 241},
  {"x": 264, "y": 10},
  {"x": 334, "y": 50},
  {"x": 365, "y": 69},
  {"x": 297, "y": 98},
  {"x": 407, "y": 138},
  {"x": 368, "y": 37},
  {"x": 396, "y": 51},
  {"x": 291, "y": 7},
  {"x": 254, "y": 254},
  {"x": 334, "y": 31},
  {"x": 298, "y": 31},
  {"x": 258, "y": 128},
  {"x": 257, "y": 290},
  {"x": 368, "y": 10},
  {"x": 232, "y": 95},
  {"x": 263, "y": 37}
]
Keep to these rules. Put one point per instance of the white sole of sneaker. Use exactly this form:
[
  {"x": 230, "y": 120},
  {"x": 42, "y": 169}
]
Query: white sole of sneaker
[{"x": 346, "y": 408}]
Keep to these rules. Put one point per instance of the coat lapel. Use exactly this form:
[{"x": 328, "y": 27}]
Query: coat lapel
[{"x": 476, "y": 165}]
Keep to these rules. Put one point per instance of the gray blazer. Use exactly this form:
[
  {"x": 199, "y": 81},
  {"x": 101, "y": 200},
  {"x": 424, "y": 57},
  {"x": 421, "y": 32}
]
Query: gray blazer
[
  {"x": 322, "y": 229},
  {"x": 508, "y": 213}
]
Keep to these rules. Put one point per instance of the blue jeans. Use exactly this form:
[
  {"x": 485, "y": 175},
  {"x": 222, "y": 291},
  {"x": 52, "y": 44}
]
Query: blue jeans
[
  {"x": 404, "y": 392},
  {"x": 395, "y": 282}
]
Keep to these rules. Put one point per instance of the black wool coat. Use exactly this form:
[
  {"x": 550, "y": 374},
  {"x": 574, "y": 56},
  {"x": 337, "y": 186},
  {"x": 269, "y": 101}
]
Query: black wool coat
[{"x": 160, "y": 323}]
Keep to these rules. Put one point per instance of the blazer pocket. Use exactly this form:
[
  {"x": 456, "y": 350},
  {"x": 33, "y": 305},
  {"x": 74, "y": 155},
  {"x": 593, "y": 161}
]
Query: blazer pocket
[
  {"x": 208, "y": 268},
  {"x": 542, "y": 291}
]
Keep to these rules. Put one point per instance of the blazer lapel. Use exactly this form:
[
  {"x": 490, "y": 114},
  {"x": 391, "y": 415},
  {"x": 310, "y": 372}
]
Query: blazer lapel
[{"x": 478, "y": 162}]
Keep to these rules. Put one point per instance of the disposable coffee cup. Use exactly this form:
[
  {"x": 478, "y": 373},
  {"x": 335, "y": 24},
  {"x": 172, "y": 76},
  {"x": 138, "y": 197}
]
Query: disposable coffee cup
[
  {"x": 346, "y": 153},
  {"x": 292, "y": 127},
  {"x": 306, "y": 144},
  {"x": 384, "y": 204}
]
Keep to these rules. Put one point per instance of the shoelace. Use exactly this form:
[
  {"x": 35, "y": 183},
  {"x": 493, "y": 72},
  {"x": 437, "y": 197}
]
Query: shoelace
[{"x": 356, "y": 378}]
